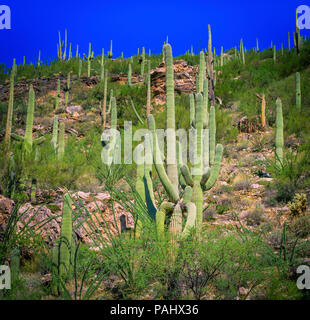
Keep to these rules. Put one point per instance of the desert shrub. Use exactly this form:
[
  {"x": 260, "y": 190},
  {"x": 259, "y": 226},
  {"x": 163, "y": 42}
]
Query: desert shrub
[
  {"x": 299, "y": 206},
  {"x": 255, "y": 217},
  {"x": 301, "y": 226}
]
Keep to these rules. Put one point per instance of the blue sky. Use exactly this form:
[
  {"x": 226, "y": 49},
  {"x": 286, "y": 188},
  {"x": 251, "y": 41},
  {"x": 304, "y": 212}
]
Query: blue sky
[{"x": 133, "y": 24}]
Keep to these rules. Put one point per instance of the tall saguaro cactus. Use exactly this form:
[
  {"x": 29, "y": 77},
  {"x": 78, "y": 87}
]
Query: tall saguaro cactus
[
  {"x": 279, "y": 133},
  {"x": 298, "y": 92},
  {"x": 8, "y": 129},
  {"x": 171, "y": 135},
  {"x": 129, "y": 73},
  {"x": 54, "y": 141},
  {"x": 202, "y": 72},
  {"x": 28, "y": 140},
  {"x": 142, "y": 61},
  {"x": 61, "y": 141},
  {"x": 148, "y": 103}
]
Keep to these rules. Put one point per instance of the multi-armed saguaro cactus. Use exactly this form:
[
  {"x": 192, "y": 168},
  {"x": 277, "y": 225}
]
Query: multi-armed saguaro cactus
[
  {"x": 8, "y": 129},
  {"x": 192, "y": 202},
  {"x": 63, "y": 248},
  {"x": 298, "y": 92},
  {"x": 27, "y": 140},
  {"x": 60, "y": 45},
  {"x": 279, "y": 134},
  {"x": 206, "y": 153}
]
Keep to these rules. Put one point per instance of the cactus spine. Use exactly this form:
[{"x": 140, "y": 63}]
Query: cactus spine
[
  {"x": 8, "y": 129},
  {"x": 298, "y": 92},
  {"x": 279, "y": 133}
]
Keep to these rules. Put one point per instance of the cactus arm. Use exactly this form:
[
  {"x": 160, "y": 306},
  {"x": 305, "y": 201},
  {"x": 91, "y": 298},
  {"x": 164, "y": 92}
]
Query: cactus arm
[
  {"x": 17, "y": 137},
  {"x": 186, "y": 175},
  {"x": 169, "y": 187},
  {"x": 175, "y": 226},
  {"x": 279, "y": 133},
  {"x": 149, "y": 194},
  {"x": 216, "y": 167},
  {"x": 212, "y": 134},
  {"x": 188, "y": 192},
  {"x": 192, "y": 110},
  {"x": 136, "y": 112},
  {"x": 39, "y": 141},
  {"x": 191, "y": 218},
  {"x": 205, "y": 177},
  {"x": 164, "y": 209}
]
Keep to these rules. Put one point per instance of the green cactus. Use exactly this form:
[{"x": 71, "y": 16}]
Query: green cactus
[
  {"x": 110, "y": 55},
  {"x": 212, "y": 125},
  {"x": 39, "y": 59},
  {"x": 61, "y": 141},
  {"x": 129, "y": 74},
  {"x": 171, "y": 138},
  {"x": 192, "y": 109},
  {"x": 8, "y": 129},
  {"x": 102, "y": 66},
  {"x": 55, "y": 134},
  {"x": 70, "y": 52},
  {"x": 88, "y": 59},
  {"x": 298, "y": 92},
  {"x": 222, "y": 56},
  {"x": 274, "y": 55},
  {"x": 142, "y": 62},
  {"x": 27, "y": 140},
  {"x": 65, "y": 238},
  {"x": 67, "y": 89},
  {"x": 289, "y": 42},
  {"x": 148, "y": 103},
  {"x": 110, "y": 102},
  {"x": 77, "y": 51},
  {"x": 104, "y": 108},
  {"x": 80, "y": 68},
  {"x": 14, "y": 264},
  {"x": 57, "y": 98},
  {"x": 257, "y": 46},
  {"x": 279, "y": 133},
  {"x": 202, "y": 72}
]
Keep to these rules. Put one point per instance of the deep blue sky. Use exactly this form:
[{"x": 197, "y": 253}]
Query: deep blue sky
[{"x": 133, "y": 24}]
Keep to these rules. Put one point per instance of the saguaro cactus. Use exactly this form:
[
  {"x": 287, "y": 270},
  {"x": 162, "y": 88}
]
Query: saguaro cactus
[
  {"x": 129, "y": 74},
  {"x": 67, "y": 89},
  {"x": 8, "y": 129},
  {"x": 102, "y": 66},
  {"x": 54, "y": 140},
  {"x": 202, "y": 72},
  {"x": 279, "y": 133},
  {"x": 110, "y": 55},
  {"x": 57, "y": 95},
  {"x": 171, "y": 134},
  {"x": 148, "y": 103},
  {"x": 61, "y": 141},
  {"x": 104, "y": 108},
  {"x": 298, "y": 92},
  {"x": 27, "y": 139},
  {"x": 142, "y": 61}
]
